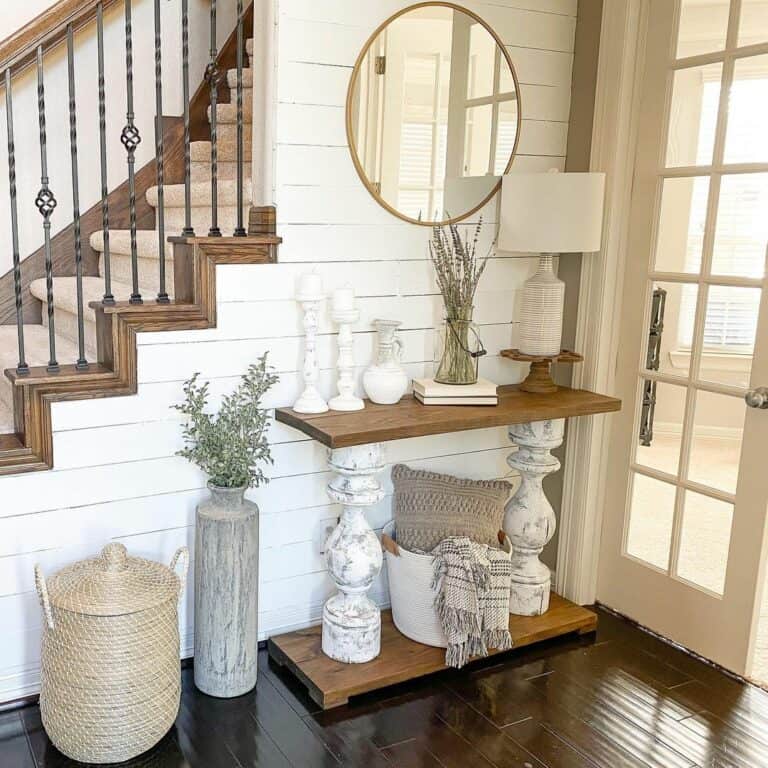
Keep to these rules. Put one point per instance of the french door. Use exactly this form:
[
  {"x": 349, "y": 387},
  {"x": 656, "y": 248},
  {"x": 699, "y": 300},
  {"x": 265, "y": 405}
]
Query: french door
[{"x": 685, "y": 522}]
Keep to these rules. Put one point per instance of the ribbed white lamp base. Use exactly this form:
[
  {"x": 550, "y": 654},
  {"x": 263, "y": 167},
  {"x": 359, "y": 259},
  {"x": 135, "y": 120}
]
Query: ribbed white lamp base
[{"x": 541, "y": 316}]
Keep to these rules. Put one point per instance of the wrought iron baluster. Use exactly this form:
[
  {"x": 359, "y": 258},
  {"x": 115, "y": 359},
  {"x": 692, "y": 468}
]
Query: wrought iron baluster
[
  {"x": 82, "y": 362},
  {"x": 131, "y": 139},
  {"x": 212, "y": 75},
  {"x": 108, "y": 297},
  {"x": 162, "y": 295},
  {"x": 22, "y": 368},
  {"x": 46, "y": 204},
  {"x": 240, "y": 229},
  {"x": 188, "y": 231}
]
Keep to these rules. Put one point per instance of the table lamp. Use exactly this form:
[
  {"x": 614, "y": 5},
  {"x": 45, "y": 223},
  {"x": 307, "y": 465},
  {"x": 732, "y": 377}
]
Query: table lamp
[{"x": 549, "y": 213}]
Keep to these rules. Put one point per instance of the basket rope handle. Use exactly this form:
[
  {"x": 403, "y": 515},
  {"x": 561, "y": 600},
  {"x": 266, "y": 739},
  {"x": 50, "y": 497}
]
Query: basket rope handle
[
  {"x": 42, "y": 593},
  {"x": 182, "y": 555}
]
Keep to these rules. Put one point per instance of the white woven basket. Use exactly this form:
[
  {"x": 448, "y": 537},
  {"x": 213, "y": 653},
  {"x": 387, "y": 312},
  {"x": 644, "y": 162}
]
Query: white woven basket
[
  {"x": 110, "y": 678},
  {"x": 411, "y": 593},
  {"x": 412, "y": 597}
]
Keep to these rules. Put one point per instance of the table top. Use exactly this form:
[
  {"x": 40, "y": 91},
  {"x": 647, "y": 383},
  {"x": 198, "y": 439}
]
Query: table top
[{"x": 409, "y": 418}]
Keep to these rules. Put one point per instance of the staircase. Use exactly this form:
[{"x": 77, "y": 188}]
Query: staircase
[
  {"x": 26, "y": 442},
  {"x": 65, "y": 288}
]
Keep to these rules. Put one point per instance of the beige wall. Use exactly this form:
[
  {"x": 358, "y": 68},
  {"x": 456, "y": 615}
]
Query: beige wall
[
  {"x": 16, "y": 13},
  {"x": 57, "y": 116}
]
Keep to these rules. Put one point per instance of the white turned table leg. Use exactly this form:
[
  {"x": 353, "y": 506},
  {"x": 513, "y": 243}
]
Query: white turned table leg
[
  {"x": 529, "y": 520},
  {"x": 351, "y": 620}
]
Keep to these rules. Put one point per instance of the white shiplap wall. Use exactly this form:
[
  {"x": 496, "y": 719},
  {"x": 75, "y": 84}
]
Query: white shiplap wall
[{"x": 116, "y": 477}]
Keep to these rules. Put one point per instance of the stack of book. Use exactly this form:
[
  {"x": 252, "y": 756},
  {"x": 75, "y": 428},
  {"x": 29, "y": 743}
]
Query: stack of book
[{"x": 429, "y": 392}]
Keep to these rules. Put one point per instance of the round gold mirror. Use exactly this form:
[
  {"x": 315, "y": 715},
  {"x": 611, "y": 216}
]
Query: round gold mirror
[{"x": 433, "y": 113}]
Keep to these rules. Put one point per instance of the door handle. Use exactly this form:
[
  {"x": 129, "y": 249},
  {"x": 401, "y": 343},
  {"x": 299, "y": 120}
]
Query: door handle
[{"x": 757, "y": 398}]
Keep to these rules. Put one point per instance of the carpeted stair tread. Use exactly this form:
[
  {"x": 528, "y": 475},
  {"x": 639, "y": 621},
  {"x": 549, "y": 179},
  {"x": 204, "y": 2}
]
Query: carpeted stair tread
[
  {"x": 201, "y": 171},
  {"x": 200, "y": 151},
  {"x": 226, "y": 114},
  {"x": 65, "y": 293},
  {"x": 149, "y": 272},
  {"x": 247, "y": 78},
  {"x": 120, "y": 242},
  {"x": 35, "y": 350},
  {"x": 65, "y": 305},
  {"x": 6, "y": 420},
  {"x": 201, "y": 194}
]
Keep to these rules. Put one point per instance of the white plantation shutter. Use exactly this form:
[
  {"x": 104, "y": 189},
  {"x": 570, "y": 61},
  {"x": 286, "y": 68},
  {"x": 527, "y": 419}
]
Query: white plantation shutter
[
  {"x": 423, "y": 137},
  {"x": 741, "y": 233},
  {"x": 416, "y": 154},
  {"x": 505, "y": 143}
]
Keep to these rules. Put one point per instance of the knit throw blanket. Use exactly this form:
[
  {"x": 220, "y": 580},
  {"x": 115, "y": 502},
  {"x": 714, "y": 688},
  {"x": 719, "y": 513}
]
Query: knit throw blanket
[{"x": 472, "y": 583}]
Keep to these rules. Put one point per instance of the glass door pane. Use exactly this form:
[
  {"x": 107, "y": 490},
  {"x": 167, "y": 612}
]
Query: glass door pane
[
  {"x": 693, "y": 118},
  {"x": 703, "y": 27}
]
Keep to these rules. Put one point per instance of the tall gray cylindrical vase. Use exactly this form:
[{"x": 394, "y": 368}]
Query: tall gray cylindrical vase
[{"x": 226, "y": 593}]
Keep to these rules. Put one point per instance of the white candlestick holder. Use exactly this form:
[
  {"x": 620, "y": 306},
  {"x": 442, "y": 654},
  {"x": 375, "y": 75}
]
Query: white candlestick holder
[
  {"x": 311, "y": 401},
  {"x": 346, "y": 400}
]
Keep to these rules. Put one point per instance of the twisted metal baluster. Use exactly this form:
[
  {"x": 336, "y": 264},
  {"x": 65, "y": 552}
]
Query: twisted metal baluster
[
  {"x": 82, "y": 362},
  {"x": 131, "y": 139},
  {"x": 46, "y": 204},
  {"x": 108, "y": 297},
  {"x": 212, "y": 75},
  {"x": 240, "y": 229},
  {"x": 188, "y": 231},
  {"x": 162, "y": 296},
  {"x": 22, "y": 368}
]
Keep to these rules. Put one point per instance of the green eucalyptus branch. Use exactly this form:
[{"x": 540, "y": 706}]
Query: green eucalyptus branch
[{"x": 230, "y": 446}]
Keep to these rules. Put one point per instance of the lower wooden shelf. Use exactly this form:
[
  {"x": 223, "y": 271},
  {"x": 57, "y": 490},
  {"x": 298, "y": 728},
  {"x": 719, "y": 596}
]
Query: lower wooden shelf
[{"x": 331, "y": 683}]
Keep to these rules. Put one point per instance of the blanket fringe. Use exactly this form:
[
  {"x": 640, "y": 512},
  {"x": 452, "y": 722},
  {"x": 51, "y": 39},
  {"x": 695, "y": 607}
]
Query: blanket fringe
[
  {"x": 457, "y": 655},
  {"x": 500, "y": 639}
]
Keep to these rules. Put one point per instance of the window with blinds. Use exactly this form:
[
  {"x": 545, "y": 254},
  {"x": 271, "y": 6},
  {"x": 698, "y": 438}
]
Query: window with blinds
[{"x": 741, "y": 227}]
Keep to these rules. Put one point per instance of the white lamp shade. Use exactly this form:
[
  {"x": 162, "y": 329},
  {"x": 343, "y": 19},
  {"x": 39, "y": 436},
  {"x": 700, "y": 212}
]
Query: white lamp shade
[{"x": 551, "y": 212}]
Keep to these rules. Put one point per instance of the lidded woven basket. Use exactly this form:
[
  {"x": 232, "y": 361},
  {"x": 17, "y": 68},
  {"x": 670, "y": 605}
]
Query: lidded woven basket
[{"x": 110, "y": 678}]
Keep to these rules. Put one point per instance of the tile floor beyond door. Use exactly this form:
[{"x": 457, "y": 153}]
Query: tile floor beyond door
[{"x": 622, "y": 698}]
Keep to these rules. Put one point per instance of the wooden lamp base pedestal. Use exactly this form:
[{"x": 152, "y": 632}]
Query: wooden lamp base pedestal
[{"x": 539, "y": 380}]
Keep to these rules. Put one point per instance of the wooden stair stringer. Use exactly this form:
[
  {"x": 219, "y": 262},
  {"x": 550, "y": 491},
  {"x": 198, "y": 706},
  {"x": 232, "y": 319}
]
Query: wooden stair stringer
[{"x": 116, "y": 372}]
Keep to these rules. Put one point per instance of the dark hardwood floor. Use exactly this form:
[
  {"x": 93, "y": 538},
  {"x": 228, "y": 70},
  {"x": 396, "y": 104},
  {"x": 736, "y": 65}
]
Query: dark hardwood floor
[{"x": 620, "y": 698}]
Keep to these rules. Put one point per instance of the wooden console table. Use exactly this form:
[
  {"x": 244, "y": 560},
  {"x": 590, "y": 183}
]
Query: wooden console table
[{"x": 357, "y": 649}]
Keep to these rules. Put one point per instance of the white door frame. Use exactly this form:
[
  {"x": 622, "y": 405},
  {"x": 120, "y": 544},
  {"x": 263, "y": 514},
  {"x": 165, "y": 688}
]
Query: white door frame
[{"x": 614, "y": 134}]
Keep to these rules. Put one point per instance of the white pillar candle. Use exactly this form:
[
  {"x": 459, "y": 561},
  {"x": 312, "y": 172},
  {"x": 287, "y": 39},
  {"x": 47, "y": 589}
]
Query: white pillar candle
[
  {"x": 344, "y": 299},
  {"x": 310, "y": 284}
]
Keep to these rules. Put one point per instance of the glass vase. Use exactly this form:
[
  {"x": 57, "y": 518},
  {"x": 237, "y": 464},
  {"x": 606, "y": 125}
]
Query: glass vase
[{"x": 461, "y": 348}]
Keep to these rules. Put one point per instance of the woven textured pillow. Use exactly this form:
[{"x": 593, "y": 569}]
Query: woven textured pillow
[{"x": 428, "y": 507}]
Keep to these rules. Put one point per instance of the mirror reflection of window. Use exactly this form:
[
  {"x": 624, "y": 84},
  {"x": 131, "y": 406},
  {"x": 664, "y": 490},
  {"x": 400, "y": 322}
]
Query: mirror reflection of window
[
  {"x": 433, "y": 115},
  {"x": 423, "y": 134}
]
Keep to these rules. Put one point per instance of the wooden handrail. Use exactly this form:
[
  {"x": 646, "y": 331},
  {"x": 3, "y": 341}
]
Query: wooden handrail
[{"x": 47, "y": 29}]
